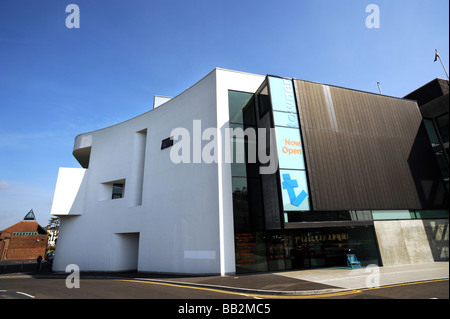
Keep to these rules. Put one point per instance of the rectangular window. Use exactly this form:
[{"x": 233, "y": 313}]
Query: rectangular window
[
  {"x": 111, "y": 190},
  {"x": 117, "y": 190},
  {"x": 392, "y": 214},
  {"x": 168, "y": 142},
  {"x": 241, "y": 108},
  {"x": 263, "y": 102}
]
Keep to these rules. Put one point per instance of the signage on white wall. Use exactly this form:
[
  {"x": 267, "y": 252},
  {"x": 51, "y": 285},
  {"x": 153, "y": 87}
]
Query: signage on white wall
[{"x": 294, "y": 190}]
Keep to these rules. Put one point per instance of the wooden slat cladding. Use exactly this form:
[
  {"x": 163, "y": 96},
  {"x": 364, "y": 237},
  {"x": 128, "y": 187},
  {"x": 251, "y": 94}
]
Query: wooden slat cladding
[{"x": 358, "y": 148}]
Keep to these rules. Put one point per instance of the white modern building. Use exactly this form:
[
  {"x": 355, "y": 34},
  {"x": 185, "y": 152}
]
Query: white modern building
[
  {"x": 168, "y": 217},
  {"x": 348, "y": 177}
]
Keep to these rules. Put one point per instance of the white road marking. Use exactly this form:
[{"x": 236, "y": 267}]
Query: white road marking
[{"x": 22, "y": 293}]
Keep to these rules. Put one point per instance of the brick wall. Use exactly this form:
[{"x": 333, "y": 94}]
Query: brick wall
[{"x": 5, "y": 238}]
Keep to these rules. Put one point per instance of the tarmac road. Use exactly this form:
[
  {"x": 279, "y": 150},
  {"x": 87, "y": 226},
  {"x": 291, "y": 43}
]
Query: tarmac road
[
  {"x": 167, "y": 297},
  {"x": 128, "y": 288},
  {"x": 417, "y": 281}
]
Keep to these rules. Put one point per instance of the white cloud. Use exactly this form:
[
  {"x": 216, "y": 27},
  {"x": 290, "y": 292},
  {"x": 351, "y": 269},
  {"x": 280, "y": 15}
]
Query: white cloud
[{"x": 4, "y": 184}]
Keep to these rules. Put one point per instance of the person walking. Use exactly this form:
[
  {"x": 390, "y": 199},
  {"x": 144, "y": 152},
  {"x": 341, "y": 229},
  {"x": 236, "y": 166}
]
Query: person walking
[{"x": 39, "y": 262}]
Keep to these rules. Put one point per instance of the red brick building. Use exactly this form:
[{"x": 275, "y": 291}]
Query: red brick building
[{"x": 24, "y": 240}]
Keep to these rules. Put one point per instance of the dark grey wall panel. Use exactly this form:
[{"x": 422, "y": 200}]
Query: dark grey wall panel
[{"x": 358, "y": 149}]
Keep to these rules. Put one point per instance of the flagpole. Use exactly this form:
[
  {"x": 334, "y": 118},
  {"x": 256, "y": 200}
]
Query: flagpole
[{"x": 437, "y": 54}]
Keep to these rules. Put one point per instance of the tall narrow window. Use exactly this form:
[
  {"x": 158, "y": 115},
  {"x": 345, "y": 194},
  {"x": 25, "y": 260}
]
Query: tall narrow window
[
  {"x": 136, "y": 185},
  {"x": 248, "y": 213}
]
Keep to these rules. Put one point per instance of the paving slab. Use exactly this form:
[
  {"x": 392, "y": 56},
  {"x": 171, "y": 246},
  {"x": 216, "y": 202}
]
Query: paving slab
[{"x": 366, "y": 277}]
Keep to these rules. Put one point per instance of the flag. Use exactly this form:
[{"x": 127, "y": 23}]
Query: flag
[{"x": 436, "y": 56}]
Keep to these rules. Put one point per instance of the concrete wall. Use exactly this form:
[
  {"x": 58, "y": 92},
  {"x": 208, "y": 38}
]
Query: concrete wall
[
  {"x": 403, "y": 242},
  {"x": 437, "y": 231}
]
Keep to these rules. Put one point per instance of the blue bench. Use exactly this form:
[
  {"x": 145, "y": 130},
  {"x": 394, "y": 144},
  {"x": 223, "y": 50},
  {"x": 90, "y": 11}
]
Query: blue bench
[{"x": 352, "y": 261}]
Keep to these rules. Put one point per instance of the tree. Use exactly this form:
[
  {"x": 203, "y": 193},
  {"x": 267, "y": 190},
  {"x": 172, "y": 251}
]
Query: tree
[{"x": 53, "y": 230}]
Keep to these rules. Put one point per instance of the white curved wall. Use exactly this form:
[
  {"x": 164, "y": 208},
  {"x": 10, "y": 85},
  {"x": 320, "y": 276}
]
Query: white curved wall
[{"x": 173, "y": 218}]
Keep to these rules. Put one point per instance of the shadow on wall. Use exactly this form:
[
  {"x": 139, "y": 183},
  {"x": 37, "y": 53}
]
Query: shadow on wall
[
  {"x": 426, "y": 173},
  {"x": 437, "y": 233},
  {"x": 431, "y": 191}
]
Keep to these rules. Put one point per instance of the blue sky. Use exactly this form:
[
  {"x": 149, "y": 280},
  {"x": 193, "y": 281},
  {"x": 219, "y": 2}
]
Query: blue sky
[{"x": 56, "y": 83}]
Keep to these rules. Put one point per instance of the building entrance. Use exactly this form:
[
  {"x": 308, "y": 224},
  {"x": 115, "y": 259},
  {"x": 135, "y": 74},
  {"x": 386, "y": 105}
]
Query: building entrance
[
  {"x": 305, "y": 249},
  {"x": 308, "y": 249}
]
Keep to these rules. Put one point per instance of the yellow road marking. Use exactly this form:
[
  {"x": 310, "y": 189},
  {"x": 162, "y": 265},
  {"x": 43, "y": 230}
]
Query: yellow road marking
[
  {"x": 406, "y": 284},
  {"x": 222, "y": 291},
  {"x": 269, "y": 296}
]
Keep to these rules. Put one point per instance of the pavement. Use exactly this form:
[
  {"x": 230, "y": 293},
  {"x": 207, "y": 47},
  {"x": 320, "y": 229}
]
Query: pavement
[
  {"x": 293, "y": 282},
  {"x": 317, "y": 281}
]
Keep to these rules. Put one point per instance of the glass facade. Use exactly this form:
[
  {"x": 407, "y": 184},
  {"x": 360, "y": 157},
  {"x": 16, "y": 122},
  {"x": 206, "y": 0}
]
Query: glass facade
[
  {"x": 304, "y": 248},
  {"x": 305, "y": 238},
  {"x": 324, "y": 247},
  {"x": 442, "y": 124},
  {"x": 247, "y": 204},
  {"x": 260, "y": 249},
  {"x": 409, "y": 214},
  {"x": 437, "y": 146}
]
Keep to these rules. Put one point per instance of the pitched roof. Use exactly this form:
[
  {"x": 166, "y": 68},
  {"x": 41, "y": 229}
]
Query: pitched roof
[{"x": 26, "y": 226}]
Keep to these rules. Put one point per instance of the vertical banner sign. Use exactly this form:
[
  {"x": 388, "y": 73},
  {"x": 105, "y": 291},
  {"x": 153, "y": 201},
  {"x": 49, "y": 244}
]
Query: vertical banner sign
[{"x": 295, "y": 193}]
